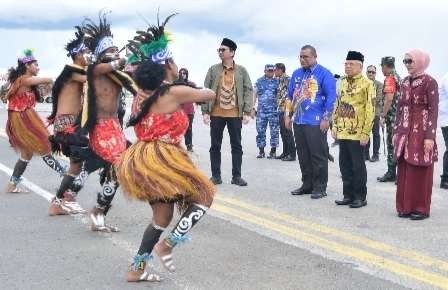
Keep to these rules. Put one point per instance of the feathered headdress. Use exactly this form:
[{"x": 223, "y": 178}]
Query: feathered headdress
[
  {"x": 98, "y": 38},
  {"x": 151, "y": 44},
  {"x": 76, "y": 45},
  {"x": 28, "y": 56}
]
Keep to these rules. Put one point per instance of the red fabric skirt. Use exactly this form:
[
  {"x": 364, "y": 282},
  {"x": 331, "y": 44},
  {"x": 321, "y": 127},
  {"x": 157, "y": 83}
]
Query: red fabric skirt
[
  {"x": 414, "y": 188},
  {"x": 27, "y": 132},
  {"x": 107, "y": 139}
]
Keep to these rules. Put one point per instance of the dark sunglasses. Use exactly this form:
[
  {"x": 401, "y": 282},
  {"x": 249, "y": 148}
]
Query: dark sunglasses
[
  {"x": 371, "y": 72},
  {"x": 221, "y": 49},
  {"x": 407, "y": 61}
]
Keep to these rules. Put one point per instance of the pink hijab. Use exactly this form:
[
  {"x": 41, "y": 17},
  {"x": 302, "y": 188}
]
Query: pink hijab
[{"x": 421, "y": 60}]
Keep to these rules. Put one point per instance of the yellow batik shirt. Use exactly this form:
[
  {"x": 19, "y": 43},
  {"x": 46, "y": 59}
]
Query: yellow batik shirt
[{"x": 353, "y": 111}]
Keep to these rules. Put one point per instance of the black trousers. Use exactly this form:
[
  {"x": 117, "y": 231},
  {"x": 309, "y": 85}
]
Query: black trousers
[
  {"x": 445, "y": 155},
  {"x": 289, "y": 146},
  {"x": 376, "y": 137},
  {"x": 353, "y": 169},
  {"x": 234, "y": 125},
  {"x": 189, "y": 133},
  {"x": 312, "y": 150}
]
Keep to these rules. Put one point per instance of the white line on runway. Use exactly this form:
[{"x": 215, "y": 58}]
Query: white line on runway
[{"x": 122, "y": 243}]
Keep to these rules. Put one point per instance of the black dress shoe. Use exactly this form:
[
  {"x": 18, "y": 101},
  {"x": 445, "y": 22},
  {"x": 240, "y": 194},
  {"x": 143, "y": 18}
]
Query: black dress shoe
[
  {"x": 374, "y": 158},
  {"x": 387, "y": 177},
  {"x": 358, "y": 203},
  {"x": 281, "y": 156},
  {"x": 238, "y": 181},
  {"x": 288, "y": 158},
  {"x": 216, "y": 179},
  {"x": 317, "y": 195},
  {"x": 444, "y": 184},
  {"x": 301, "y": 191},
  {"x": 418, "y": 216},
  {"x": 404, "y": 215},
  {"x": 345, "y": 201},
  {"x": 271, "y": 155}
]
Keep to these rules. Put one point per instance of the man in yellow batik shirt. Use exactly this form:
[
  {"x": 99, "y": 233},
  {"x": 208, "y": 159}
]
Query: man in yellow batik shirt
[{"x": 352, "y": 123}]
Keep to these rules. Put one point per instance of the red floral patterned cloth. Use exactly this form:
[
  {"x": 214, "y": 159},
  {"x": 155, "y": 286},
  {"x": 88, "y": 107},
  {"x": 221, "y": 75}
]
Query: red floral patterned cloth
[
  {"x": 168, "y": 128},
  {"x": 107, "y": 139},
  {"x": 21, "y": 102},
  {"x": 416, "y": 120}
]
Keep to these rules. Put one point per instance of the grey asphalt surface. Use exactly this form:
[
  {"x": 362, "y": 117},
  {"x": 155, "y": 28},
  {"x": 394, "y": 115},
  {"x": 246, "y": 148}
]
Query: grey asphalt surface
[{"x": 226, "y": 252}]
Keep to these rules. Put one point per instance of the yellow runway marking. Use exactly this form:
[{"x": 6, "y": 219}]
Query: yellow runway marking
[
  {"x": 358, "y": 254},
  {"x": 349, "y": 251},
  {"x": 411, "y": 255}
]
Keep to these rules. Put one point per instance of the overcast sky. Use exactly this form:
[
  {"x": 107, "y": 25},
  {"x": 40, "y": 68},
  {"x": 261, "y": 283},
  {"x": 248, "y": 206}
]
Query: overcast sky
[{"x": 265, "y": 33}]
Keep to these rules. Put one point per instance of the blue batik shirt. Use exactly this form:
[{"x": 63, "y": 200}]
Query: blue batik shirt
[
  {"x": 313, "y": 93},
  {"x": 267, "y": 94}
]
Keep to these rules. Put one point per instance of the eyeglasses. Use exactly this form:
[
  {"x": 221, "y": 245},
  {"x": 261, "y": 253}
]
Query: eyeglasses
[
  {"x": 220, "y": 50},
  {"x": 408, "y": 61},
  {"x": 371, "y": 72}
]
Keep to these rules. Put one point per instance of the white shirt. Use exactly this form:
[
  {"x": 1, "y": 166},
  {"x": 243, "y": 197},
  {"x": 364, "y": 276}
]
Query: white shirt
[{"x": 443, "y": 102}]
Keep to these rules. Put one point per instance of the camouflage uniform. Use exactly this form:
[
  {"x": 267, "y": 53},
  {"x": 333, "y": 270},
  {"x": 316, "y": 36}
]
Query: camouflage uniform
[{"x": 392, "y": 80}]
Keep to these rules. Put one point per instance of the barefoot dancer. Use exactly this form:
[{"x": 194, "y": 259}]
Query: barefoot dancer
[
  {"x": 100, "y": 112},
  {"x": 26, "y": 130},
  {"x": 156, "y": 169},
  {"x": 67, "y": 98}
]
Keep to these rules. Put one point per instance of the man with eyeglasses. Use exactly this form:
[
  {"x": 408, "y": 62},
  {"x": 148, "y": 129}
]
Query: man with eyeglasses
[
  {"x": 311, "y": 96},
  {"x": 232, "y": 108},
  {"x": 378, "y": 105},
  {"x": 391, "y": 91}
]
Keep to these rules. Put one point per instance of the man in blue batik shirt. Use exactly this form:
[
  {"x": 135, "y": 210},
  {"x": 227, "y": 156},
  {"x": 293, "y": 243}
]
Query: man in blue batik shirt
[
  {"x": 265, "y": 91},
  {"x": 311, "y": 94}
]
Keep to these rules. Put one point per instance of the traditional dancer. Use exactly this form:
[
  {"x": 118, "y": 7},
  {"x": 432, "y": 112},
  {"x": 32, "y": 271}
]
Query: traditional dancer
[
  {"x": 67, "y": 98},
  {"x": 26, "y": 130},
  {"x": 156, "y": 169},
  {"x": 100, "y": 113}
]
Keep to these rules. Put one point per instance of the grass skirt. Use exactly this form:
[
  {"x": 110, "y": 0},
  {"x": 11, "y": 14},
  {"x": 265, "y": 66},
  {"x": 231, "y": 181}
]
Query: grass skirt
[
  {"x": 160, "y": 172},
  {"x": 27, "y": 132}
]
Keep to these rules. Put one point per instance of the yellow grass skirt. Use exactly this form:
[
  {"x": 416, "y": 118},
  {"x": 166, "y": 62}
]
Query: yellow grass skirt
[
  {"x": 160, "y": 172},
  {"x": 27, "y": 132}
]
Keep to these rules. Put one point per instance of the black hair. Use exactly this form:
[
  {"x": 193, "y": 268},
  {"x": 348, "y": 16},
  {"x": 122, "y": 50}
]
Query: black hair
[
  {"x": 311, "y": 48},
  {"x": 280, "y": 66},
  {"x": 149, "y": 76},
  {"x": 20, "y": 70},
  {"x": 15, "y": 72},
  {"x": 74, "y": 43},
  {"x": 186, "y": 73}
]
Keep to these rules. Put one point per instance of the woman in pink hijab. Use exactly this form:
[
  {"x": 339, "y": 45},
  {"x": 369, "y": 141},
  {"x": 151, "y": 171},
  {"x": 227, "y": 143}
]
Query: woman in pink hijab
[{"x": 414, "y": 137}]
